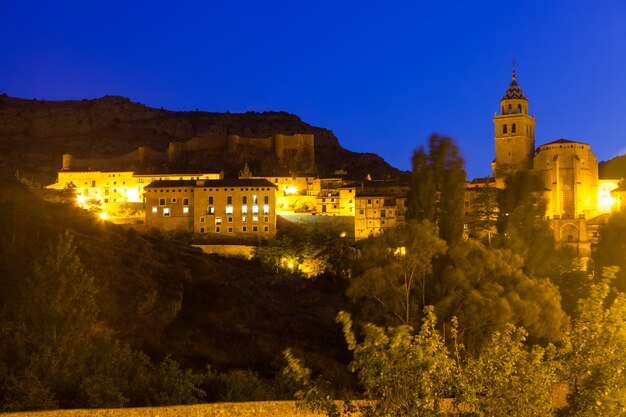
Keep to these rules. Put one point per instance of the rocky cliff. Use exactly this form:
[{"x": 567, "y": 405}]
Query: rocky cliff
[{"x": 35, "y": 133}]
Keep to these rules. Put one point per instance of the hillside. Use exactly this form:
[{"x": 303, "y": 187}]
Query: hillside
[
  {"x": 167, "y": 298},
  {"x": 34, "y": 134},
  {"x": 614, "y": 168}
]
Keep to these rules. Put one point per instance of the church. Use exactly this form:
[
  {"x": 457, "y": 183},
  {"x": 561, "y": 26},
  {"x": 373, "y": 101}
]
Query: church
[{"x": 578, "y": 201}]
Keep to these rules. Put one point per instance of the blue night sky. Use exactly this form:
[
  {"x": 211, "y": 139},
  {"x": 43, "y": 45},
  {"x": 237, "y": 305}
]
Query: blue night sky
[{"x": 382, "y": 77}]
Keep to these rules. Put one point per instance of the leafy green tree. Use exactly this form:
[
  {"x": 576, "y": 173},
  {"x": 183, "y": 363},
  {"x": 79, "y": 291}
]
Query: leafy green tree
[
  {"x": 595, "y": 357},
  {"x": 438, "y": 187},
  {"x": 486, "y": 288},
  {"x": 612, "y": 248},
  {"x": 406, "y": 374},
  {"x": 523, "y": 229},
  {"x": 391, "y": 282},
  {"x": 245, "y": 172},
  {"x": 307, "y": 249},
  {"x": 508, "y": 378},
  {"x": 482, "y": 221}
]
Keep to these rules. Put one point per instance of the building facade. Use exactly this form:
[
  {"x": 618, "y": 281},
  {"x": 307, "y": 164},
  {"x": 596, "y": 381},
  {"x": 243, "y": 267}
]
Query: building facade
[
  {"x": 577, "y": 200},
  {"x": 241, "y": 208}
]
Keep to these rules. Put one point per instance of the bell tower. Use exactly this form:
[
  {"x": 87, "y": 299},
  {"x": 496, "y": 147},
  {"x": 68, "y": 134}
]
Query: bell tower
[{"x": 514, "y": 134}]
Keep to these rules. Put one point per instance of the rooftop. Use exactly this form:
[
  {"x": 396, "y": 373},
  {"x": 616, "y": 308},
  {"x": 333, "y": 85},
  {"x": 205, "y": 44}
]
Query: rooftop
[{"x": 242, "y": 182}]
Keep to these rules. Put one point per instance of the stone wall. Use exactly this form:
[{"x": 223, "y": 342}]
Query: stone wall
[
  {"x": 244, "y": 409},
  {"x": 243, "y": 251}
]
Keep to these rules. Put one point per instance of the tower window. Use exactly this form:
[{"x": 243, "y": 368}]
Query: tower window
[
  {"x": 513, "y": 128},
  {"x": 510, "y": 110},
  {"x": 504, "y": 129},
  {"x": 519, "y": 108}
]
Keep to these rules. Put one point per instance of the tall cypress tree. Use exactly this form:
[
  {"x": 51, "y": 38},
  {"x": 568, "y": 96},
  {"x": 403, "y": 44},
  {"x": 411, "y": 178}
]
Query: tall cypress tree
[{"x": 438, "y": 187}]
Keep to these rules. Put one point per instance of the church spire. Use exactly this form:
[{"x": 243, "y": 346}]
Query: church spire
[
  {"x": 514, "y": 77},
  {"x": 514, "y": 92}
]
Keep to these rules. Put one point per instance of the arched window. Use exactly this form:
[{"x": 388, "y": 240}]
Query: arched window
[
  {"x": 513, "y": 128},
  {"x": 510, "y": 109},
  {"x": 503, "y": 128},
  {"x": 519, "y": 108}
]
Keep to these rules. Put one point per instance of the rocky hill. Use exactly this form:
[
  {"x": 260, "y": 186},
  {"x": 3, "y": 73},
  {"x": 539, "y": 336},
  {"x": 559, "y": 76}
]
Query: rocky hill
[{"x": 34, "y": 134}]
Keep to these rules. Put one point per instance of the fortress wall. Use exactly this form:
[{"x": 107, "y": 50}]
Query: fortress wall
[{"x": 301, "y": 143}]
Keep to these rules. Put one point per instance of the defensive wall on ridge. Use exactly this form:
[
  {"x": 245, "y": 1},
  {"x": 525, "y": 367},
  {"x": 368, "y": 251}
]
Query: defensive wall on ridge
[{"x": 299, "y": 145}]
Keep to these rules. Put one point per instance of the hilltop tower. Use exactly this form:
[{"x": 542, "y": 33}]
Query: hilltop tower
[{"x": 514, "y": 134}]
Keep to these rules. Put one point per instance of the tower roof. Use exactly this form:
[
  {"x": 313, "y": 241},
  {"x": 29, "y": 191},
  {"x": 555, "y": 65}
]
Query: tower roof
[{"x": 514, "y": 92}]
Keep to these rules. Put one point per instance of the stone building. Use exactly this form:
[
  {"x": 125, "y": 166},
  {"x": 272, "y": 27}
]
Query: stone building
[
  {"x": 242, "y": 208},
  {"x": 108, "y": 188},
  {"x": 379, "y": 206},
  {"x": 568, "y": 171}
]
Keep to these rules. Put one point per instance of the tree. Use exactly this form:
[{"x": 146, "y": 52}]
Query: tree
[
  {"x": 406, "y": 374},
  {"x": 522, "y": 227},
  {"x": 486, "y": 288},
  {"x": 611, "y": 249},
  {"x": 245, "y": 172},
  {"x": 391, "y": 283},
  {"x": 438, "y": 187},
  {"x": 307, "y": 249},
  {"x": 508, "y": 378},
  {"x": 482, "y": 221},
  {"x": 595, "y": 357}
]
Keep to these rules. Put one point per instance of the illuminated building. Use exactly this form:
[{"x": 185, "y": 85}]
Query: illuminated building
[
  {"x": 109, "y": 187},
  {"x": 379, "y": 206},
  {"x": 568, "y": 170},
  {"x": 243, "y": 208}
]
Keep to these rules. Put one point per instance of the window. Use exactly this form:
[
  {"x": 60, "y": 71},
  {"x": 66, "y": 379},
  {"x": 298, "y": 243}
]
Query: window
[
  {"x": 255, "y": 218},
  {"x": 266, "y": 219},
  {"x": 504, "y": 129},
  {"x": 244, "y": 229},
  {"x": 510, "y": 110},
  {"x": 255, "y": 229},
  {"x": 217, "y": 229},
  {"x": 210, "y": 200},
  {"x": 361, "y": 211},
  {"x": 230, "y": 220},
  {"x": 244, "y": 209},
  {"x": 161, "y": 201},
  {"x": 210, "y": 210},
  {"x": 255, "y": 199},
  {"x": 202, "y": 230},
  {"x": 519, "y": 108},
  {"x": 513, "y": 128},
  {"x": 185, "y": 210},
  {"x": 218, "y": 220},
  {"x": 244, "y": 218},
  {"x": 166, "y": 212},
  {"x": 173, "y": 200},
  {"x": 154, "y": 209},
  {"x": 266, "y": 200},
  {"x": 255, "y": 209},
  {"x": 93, "y": 183},
  {"x": 266, "y": 228},
  {"x": 201, "y": 219},
  {"x": 266, "y": 209},
  {"x": 245, "y": 199},
  {"x": 230, "y": 230},
  {"x": 229, "y": 209},
  {"x": 229, "y": 199},
  {"x": 185, "y": 201}
]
